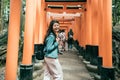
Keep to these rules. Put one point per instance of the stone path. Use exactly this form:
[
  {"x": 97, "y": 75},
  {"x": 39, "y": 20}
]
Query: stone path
[{"x": 73, "y": 68}]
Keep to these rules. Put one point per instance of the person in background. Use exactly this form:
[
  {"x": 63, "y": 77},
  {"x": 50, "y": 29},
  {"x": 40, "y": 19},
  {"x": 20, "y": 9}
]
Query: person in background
[
  {"x": 62, "y": 37},
  {"x": 70, "y": 39},
  {"x": 52, "y": 65}
]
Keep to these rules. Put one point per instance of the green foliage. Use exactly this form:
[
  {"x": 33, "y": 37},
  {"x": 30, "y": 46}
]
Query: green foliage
[
  {"x": 4, "y": 13},
  {"x": 116, "y": 11}
]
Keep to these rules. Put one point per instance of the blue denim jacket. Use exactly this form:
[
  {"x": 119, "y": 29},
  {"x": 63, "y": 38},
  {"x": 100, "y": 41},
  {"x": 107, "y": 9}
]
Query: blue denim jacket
[{"x": 51, "y": 47}]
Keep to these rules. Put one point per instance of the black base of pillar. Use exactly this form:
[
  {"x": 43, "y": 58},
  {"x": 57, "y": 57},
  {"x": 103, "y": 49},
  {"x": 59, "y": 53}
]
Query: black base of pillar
[
  {"x": 107, "y": 73},
  {"x": 76, "y": 44},
  {"x": 81, "y": 51},
  {"x": 88, "y": 52},
  {"x": 36, "y": 49},
  {"x": 26, "y": 72},
  {"x": 94, "y": 55},
  {"x": 33, "y": 58},
  {"x": 99, "y": 65}
]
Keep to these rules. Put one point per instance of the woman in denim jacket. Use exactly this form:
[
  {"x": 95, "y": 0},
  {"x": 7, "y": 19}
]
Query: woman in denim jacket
[{"x": 53, "y": 70}]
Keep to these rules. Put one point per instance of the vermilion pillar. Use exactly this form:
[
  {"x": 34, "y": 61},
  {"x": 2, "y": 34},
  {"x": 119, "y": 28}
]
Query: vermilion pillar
[
  {"x": 92, "y": 49},
  {"x": 77, "y": 27},
  {"x": 36, "y": 29},
  {"x": 100, "y": 35},
  {"x": 26, "y": 67},
  {"x": 79, "y": 30},
  {"x": 88, "y": 28},
  {"x": 39, "y": 4},
  {"x": 48, "y": 19},
  {"x": 13, "y": 40},
  {"x": 41, "y": 24},
  {"x": 100, "y": 27},
  {"x": 28, "y": 34},
  {"x": 107, "y": 70},
  {"x": 34, "y": 32},
  {"x": 83, "y": 30},
  {"x": 88, "y": 24},
  {"x": 71, "y": 27},
  {"x": 36, "y": 35},
  {"x": 42, "y": 29},
  {"x": 94, "y": 22},
  {"x": 107, "y": 22},
  {"x": 44, "y": 19}
]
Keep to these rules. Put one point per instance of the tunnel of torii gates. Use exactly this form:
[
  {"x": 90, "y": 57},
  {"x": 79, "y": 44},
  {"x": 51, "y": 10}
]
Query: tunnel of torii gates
[{"x": 91, "y": 23}]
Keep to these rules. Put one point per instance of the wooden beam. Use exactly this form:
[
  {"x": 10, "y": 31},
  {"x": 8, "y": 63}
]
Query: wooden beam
[
  {"x": 65, "y": 20},
  {"x": 67, "y": 3},
  {"x": 65, "y": 24},
  {"x": 63, "y": 27},
  {"x": 64, "y": 10},
  {"x": 69, "y": 23}
]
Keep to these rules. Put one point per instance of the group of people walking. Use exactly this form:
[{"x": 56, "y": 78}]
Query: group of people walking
[{"x": 64, "y": 42}]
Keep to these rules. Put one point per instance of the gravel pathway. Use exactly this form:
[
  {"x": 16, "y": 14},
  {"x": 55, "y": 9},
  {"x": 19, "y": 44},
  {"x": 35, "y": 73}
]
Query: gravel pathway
[{"x": 73, "y": 68}]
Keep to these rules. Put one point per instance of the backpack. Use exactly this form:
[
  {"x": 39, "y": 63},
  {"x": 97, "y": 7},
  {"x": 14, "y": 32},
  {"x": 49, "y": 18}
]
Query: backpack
[
  {"x": 71, "y": 36},
  {"x": 39, "y": 50},
  {"x": 39, "y": 53}
]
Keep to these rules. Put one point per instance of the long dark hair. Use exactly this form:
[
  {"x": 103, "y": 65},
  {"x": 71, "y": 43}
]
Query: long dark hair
[{"x": 50, "y": 29}]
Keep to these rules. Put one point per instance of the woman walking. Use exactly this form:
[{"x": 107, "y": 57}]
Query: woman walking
[{"x": 52, "y": 66}]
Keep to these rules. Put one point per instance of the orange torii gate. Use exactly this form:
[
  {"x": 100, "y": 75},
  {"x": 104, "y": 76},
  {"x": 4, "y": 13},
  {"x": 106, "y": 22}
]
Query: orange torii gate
[{"x": 92, "y": 29}]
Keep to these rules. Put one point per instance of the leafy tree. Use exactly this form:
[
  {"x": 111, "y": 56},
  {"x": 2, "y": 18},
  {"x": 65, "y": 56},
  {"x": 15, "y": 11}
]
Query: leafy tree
[{"x": 116, "y": 11}]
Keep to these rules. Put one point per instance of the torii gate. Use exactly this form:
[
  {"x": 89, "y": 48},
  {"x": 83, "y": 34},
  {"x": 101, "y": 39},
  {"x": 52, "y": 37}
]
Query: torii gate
[{"x": 96, "y": 29}]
